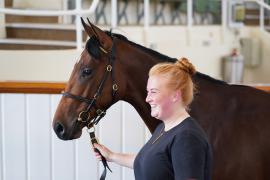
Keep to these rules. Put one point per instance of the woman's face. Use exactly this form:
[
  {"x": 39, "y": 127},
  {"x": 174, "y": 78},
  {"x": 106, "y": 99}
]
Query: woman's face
[{"x": 159, "y": 96}]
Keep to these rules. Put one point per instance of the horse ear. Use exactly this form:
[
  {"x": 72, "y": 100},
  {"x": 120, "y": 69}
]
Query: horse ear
[
  {"x": 104, "y": 39},
  {"x": 87, "y": 28}
]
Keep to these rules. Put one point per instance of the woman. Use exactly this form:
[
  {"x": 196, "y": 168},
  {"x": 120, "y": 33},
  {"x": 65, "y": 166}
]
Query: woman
[{"x": 178, "y": 148}]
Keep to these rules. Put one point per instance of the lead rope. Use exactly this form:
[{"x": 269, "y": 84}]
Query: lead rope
[
  {"x": 93, "y": 139},
  {"x": 102, "y": 113}
]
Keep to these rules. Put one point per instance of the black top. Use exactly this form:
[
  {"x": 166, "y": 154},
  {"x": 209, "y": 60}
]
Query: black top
[{"x": 181, "y": 153}]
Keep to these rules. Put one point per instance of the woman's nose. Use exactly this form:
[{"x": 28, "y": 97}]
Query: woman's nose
[{"x": 147, "y": 99}]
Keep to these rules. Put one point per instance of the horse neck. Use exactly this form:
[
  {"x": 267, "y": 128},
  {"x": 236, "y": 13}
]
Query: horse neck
[
  {"x": 136, "y": 65},
  {"x": 210, "y": 91}
]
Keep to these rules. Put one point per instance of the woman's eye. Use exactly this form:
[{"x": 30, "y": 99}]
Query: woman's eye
[{"x": 86, "y": 72}]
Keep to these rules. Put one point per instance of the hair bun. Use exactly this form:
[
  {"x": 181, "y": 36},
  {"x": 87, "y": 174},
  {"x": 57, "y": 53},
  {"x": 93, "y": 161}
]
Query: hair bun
[{"x": 186, "y": 66}]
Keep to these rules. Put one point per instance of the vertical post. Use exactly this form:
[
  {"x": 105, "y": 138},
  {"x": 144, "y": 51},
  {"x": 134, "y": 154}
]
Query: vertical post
[
  {"x": 261, "y": 16},
  {"x": 3, "y": 139},
  {"x": 114, "y": 13},
  {"x": 146, "y": 14},
  {"x": 2, "y": 21},
  {"x": 224, "y": 19},
  {"x": 65, "y": 19},
  {"x": 189, "y": 20},
  {"x": 146, "y": 10},
  {"x": 189, "y": 13},
  {"x": 123, "y": 139},
  {"x": 78, "y": 25},
  {"x": 224, "y": 14}
]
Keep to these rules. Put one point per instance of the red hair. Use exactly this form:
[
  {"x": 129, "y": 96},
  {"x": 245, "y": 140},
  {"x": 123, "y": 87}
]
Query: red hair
[{"x": 179, "y": 77}]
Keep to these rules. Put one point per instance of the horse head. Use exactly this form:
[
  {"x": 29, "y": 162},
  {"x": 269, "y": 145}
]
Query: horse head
[{"x": 93, "y": 87}]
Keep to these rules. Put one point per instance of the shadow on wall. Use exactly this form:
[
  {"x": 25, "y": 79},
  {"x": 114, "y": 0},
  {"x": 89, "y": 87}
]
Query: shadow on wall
[{"x": 260, "y": 73}]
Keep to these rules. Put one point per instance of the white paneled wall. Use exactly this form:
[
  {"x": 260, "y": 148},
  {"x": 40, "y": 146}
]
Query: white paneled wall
[{"x": 30, "y": 149}]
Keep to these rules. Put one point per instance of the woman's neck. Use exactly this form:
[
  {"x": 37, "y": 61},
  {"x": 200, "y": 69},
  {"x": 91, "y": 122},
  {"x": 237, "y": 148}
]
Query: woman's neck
[{"x": 175, "y": 119}]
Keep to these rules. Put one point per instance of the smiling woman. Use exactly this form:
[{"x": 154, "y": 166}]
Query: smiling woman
[{"x": 182, "y": 143}]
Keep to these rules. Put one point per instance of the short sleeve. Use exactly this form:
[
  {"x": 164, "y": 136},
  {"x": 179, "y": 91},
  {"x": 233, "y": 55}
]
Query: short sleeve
[{"x": 188, "y": 155}]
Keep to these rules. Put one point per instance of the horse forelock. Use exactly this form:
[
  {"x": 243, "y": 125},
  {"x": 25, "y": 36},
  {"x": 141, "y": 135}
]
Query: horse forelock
[{"x": 92, "y": 47}]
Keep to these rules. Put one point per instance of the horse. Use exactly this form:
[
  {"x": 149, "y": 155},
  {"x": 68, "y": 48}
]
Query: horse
[{"x": 112, "y": 68}]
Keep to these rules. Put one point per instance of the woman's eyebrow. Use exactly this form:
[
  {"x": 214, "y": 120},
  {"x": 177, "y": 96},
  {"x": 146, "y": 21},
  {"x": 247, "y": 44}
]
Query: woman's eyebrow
[{"x": 152, "y": 89}]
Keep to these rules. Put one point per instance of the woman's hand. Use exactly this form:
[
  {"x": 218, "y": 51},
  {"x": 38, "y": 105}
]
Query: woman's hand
[
  {"x": 108, "y": 154},
  {"x": 118, "y": 158}
]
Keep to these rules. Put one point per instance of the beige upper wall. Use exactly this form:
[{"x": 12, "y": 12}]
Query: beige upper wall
[
  {"x": 204, "y": 46},
  {"x": 204, "y": 52},
  {"x": 37, "y": 65},
  {"x": 38, "y": 4}
]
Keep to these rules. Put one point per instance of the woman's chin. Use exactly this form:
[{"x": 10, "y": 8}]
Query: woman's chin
[{"x": 154, "y": 115}]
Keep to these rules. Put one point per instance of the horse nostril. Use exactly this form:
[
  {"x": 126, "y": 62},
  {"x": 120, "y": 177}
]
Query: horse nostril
[{"x": 59, "y": 129}]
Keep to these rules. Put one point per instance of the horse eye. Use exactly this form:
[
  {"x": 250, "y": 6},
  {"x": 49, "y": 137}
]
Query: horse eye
[{"x": 86, "y": 72}]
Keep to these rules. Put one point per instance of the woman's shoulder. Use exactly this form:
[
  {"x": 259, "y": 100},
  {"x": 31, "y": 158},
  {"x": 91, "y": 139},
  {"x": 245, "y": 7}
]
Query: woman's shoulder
[
  {"x": 190, "y": 129},
  {"x": 159, "y": 127}
]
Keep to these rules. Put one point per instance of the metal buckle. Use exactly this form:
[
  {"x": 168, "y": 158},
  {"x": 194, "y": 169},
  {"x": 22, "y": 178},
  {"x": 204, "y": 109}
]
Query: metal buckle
[
  {"x": 115, "y": 87},
  {"x": 109, "y": 68},
  {"x": 90, "y": 127},
  {"x": 99, "y": 112},
  {"x": 91, "y": 131},
  {"x": 81, "y": 115}
]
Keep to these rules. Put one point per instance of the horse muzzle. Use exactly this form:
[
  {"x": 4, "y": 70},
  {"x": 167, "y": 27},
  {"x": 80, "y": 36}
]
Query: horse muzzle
[{"x": 67, "y": 133}]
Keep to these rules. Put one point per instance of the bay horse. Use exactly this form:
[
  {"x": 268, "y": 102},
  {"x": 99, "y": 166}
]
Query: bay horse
[{"x": 236, "y": 118}]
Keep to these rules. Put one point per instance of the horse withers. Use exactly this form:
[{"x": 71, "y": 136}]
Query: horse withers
[{"x": 235, "y": 117}]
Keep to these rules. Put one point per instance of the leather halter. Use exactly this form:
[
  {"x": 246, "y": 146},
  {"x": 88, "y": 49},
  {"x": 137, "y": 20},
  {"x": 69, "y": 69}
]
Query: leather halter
[{"x": 84, "y": 116}]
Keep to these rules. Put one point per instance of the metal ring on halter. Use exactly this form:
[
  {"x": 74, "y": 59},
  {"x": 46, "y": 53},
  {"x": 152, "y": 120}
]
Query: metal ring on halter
[
  {"x": 91, "y": 127},
  {"x": 99, "y": 112},
  {"x": 109, "y": 68},
  {"x": 80, "y": 119},
  {"x": 115, "y": 87}
]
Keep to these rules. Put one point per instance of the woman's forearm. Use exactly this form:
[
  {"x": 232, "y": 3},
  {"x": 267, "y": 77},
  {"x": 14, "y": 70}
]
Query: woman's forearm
[{"x": 122, "y": 159}]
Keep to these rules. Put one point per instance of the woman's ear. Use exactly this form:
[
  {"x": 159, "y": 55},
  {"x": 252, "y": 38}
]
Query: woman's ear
[{"x": 176, "y": 96}]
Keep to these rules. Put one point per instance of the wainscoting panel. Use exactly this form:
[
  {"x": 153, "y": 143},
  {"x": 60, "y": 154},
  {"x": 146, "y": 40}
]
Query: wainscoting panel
[{"x": 30, "y": 149}]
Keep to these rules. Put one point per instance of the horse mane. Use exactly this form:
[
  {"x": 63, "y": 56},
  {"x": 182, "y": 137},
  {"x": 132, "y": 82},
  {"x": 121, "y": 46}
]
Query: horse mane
[
  {"x": 162, "y": 57},
  {"x": 209, "y": 78},
  {"x": 152, "y": 52}
]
